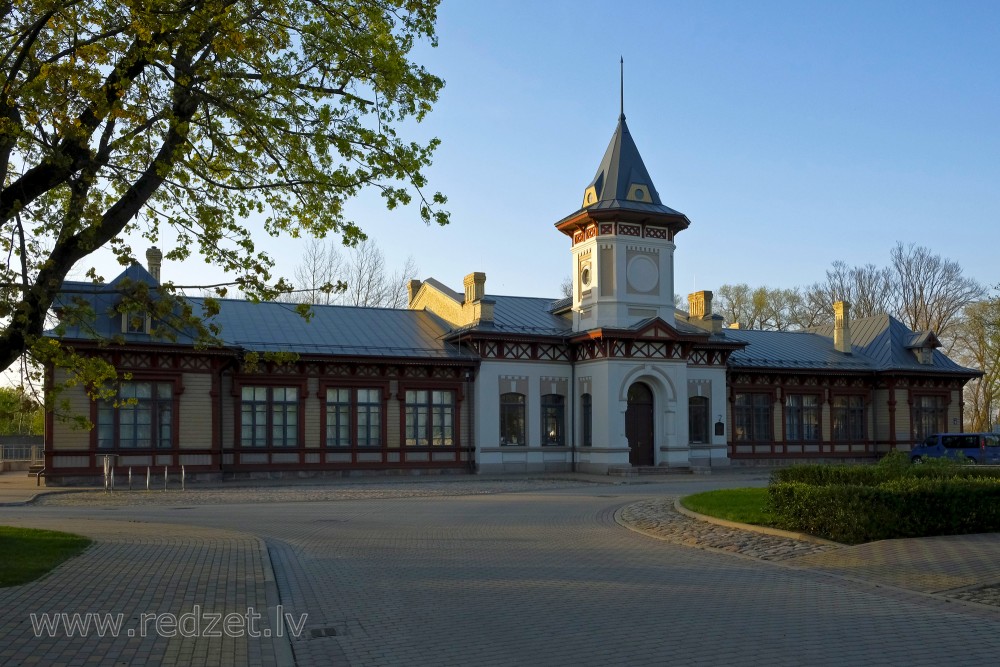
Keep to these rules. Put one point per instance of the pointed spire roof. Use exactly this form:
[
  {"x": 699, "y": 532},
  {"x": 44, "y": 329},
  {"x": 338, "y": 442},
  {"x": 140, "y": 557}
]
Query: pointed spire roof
[{"x": 622, "y": 185}]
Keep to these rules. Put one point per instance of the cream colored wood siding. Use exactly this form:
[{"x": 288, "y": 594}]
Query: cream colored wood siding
[
  {"x": 880, "y": 410},
  {"x": 392, "y": 423},
  {"x": 314, "y": 406},
  {"x": 195, "y": 418},
  {"x": 902, "y": 415},
  {"x": 228, "y": 432},
  {"x": 955, "y": 411},
  {"x": 65, "y": 433}
]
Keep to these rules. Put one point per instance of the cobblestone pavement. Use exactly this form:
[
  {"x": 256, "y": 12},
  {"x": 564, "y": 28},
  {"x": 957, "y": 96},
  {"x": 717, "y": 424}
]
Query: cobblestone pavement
[
  {"x": 546, "y": 576},
  {"x": 658, "y": 518}
]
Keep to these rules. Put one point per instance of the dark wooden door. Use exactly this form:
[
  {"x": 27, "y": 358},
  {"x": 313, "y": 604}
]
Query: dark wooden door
[{"x": 639, "y": 425}]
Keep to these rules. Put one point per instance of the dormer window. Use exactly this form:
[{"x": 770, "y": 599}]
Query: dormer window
[
  {"x": 925, "y": 355},
  {"x": 135, "y": 322},
  {"x": 639, "y": 192}
]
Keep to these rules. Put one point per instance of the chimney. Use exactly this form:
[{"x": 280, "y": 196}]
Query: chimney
[
  {"x": 475, "y": 287},
  {"x": 412, "y": 288},
  {"x": 153, "y": 259},
  {"x": 700, "y": 312},
  {"x": 700, "y": 304},
  {"x": 842, "y": 327}
]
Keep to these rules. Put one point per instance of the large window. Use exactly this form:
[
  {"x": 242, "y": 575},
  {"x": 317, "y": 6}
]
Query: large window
[
  {"x": 848, "y": 416},
  {"x": 142, "y": 420},
  {"x": 553, "y": 420},
  {"x": 752, "y": 414},
  {"x": 587, "y": 411},
  {"x": 512, "y": 419},
  {"x": 930, "y": 415},
  {"x": 802, "y": 417},
  {"x": 698, "y": 419},
  {"x": 269, "y": 417},
  {"x": 430, "y": 418},
  {"x": 365, "y": 405}
]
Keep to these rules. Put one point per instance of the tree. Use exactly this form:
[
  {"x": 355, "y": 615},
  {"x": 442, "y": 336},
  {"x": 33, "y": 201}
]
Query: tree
[
  {"x": 977, "y": 339},
  {"x": 931, "y": 292},
  {"x": 20, "y": 413},
  {"x": 131, "y": 118},
  {"x": 359, "y": 279}
]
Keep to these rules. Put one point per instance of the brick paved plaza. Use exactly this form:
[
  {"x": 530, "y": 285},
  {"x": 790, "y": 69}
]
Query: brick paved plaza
[{"x": 537, "y": 574}]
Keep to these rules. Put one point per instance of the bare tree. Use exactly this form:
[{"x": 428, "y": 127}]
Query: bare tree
[
  {"x": 931, "y": 292},
  {"x": 317, "y": 277},
  {"x": 566, "y": 286},
  {"x": 814, "y": 307},
  {"x": 397, "y": 296},
  {"x": 356, "y": 277}
]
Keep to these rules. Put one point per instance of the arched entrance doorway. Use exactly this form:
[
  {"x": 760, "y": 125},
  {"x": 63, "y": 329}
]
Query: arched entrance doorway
[{"x": 639, "y": 425}]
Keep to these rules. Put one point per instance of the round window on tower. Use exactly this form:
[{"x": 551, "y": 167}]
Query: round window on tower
[{"x": 585, "y": 276}]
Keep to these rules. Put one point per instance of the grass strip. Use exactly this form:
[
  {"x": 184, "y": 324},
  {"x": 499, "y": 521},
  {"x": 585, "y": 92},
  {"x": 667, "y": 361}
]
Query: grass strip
[
  {"x": 27, "y": 554},
  {"x": 742, "y": 505}
]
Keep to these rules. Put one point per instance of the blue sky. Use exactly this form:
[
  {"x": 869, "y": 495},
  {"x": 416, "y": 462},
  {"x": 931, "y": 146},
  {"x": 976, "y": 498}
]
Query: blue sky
[{"x": 792, "y": 134}]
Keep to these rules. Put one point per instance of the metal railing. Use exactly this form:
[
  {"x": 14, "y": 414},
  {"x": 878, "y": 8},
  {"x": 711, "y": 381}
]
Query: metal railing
[{"x": 17, "y": 452}]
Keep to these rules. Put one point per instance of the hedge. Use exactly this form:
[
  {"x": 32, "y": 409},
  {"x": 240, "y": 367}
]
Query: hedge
[{"x": 906, "y": 506}]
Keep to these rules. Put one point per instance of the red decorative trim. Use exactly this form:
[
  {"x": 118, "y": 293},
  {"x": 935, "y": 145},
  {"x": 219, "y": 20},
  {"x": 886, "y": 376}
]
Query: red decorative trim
[{"x": 607, "y": 229}]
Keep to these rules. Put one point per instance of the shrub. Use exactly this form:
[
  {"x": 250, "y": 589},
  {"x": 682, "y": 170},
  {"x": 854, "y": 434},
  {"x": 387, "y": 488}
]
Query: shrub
[{"x": 904, "y": 506}]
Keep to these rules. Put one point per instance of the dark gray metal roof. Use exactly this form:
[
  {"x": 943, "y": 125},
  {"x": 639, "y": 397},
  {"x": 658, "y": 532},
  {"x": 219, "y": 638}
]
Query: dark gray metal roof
[
  {"x": 620, "y": 168},
  {"x": 334, "y": 330},
  {"x": 277, "y": 327},
  {"x": 878, "y": 345},
  {"x": 792, "y": 351},
  {"x": 523, "y": 316},
  {"x": 887, "y": 342}
]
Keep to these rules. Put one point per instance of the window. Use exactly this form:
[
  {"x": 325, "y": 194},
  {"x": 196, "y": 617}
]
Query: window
[
  {"x": 848, "y": 414},
  {"x": 752, "y": 413},
  {"x": 553, "y": 420},
  {"x": 802, "y": 417},
  {"x": 930, "y": 415},
  {"x": 269, "y": 417},
  {"x": 430, "y": 418},
  {"x": 512, "y": 419},
  {"x": 366, "y": 407},
  {"x": 144, "y": 417},
  {"x": 135, "y": 321},
  {"x": 587, "y": 410},
  {"x": 698, "y": 419}
]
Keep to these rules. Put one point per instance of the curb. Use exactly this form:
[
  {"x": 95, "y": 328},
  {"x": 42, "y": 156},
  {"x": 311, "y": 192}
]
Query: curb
[
  {"x": 284, "y": 656},
  {"x": 802, "y": 537},
  {"x": 33, "y": 498}
]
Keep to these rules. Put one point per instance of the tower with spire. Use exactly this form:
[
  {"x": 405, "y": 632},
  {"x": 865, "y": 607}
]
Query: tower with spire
[{"x": 623, "y": 242}]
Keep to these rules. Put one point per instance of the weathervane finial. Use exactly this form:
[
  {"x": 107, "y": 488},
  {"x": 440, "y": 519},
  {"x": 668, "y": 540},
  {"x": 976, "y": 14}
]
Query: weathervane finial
[{"x": 621, "y": 82}]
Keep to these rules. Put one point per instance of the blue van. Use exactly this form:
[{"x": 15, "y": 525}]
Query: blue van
[{"x": 968, "y": 447}]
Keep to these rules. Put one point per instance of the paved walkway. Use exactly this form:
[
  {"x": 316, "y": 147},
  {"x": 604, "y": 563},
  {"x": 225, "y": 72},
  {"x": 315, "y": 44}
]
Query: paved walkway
[{"x": 517, "y": 572}]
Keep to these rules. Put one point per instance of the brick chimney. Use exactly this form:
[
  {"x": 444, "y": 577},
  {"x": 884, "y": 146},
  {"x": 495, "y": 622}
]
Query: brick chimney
[
  {"x": 475, "y": 287},
  {"x": 412, "y": 287},
  {"x": 700, "y": 312},
  {"x": 842, "y": 327},
  {"x": 153, "y": 260}
]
